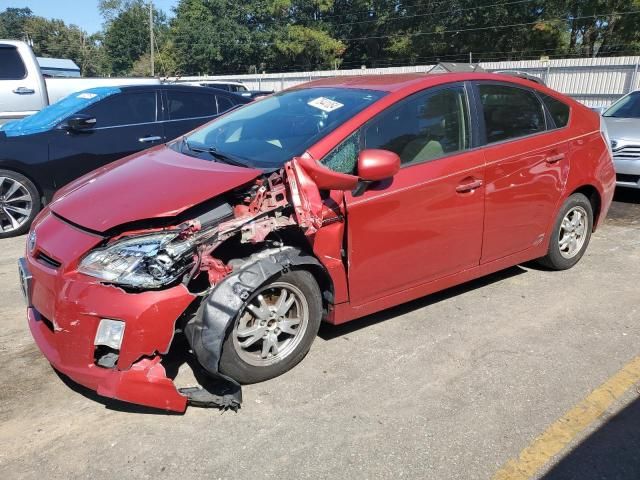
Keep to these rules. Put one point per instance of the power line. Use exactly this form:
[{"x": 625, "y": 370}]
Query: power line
[
  {"x": 451, "y": 10},
  {"x": 490, "y": 27}
]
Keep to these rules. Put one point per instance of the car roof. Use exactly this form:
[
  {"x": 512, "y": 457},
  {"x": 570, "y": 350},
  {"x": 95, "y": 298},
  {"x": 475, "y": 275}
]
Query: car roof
[{"x": 399, "y": 82}]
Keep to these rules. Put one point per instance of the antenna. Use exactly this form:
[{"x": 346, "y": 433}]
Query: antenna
[{"x": 151, "y": 40}]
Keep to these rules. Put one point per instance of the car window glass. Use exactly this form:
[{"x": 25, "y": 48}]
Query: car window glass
[
  {"x": 124, "y": 109},
  {"x": 626, "y": 107},
  {"x": 424, "y": 127},
  {"x": 191, "y": 104},
  {"x": 344, "y": 158},
  {"x": 267, "y": 133},
  {"x": 224, "y": 104},
  {"x": 510, "y": 112},
  {"x": 559, "y": 110},
  {"x": 12, "y": 66}
]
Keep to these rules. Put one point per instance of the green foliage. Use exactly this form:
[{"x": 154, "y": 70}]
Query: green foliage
[
  {"x": 12, "y": 22},
  {"x": 241, "y": 36}
]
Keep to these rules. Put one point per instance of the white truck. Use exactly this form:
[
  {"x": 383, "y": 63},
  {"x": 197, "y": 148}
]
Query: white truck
[{"x": 24, "y": 90}]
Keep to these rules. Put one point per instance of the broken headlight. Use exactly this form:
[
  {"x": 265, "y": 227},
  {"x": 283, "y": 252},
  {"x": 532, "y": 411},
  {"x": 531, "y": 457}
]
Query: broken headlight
[{"x": 145, "y": 261}]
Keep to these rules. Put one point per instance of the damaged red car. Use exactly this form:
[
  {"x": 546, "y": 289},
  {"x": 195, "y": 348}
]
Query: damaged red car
[{"x": 326, "y": 202}]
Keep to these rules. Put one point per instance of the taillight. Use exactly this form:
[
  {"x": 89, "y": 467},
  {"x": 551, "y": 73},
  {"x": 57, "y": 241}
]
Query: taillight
[{"x": 605, "y": 134}]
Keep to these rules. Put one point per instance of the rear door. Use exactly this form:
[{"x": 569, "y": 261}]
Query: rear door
[
  {"x": 187, "y": 109},
  {"x": 527, "y": 168},
  {"x": 125, "y": 123},
  {"x": 426, "y": 223}
]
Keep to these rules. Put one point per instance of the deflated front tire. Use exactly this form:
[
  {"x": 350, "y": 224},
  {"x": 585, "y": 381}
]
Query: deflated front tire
[{"x": 274, "y": 330}]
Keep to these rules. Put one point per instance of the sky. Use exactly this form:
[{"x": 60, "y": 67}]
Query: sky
[{"x": 83, "y": 13}]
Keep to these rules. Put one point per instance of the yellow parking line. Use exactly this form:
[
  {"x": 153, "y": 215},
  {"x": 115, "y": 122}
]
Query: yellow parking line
[{"x": 555, "y": 438}]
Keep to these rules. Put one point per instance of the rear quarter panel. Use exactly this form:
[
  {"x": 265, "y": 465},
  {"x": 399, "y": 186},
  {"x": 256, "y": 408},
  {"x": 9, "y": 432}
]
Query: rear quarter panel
[{"x": 591, "y": 162}]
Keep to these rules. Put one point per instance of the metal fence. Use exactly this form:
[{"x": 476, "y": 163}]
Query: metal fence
[{"x": 592, "y": 81}]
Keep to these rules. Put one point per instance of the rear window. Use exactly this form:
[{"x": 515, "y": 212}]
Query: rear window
[
  {"x": 510, "y": 112},
  {"x": 224, "y": 104},
  {"x": 191, "y": 104},
  {"x": 12, "y": 66},
  {"x": 559, "y": 110}
]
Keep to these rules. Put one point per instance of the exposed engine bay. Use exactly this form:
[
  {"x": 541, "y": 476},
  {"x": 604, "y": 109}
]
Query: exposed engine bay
[{"x": 235, "y": 243}]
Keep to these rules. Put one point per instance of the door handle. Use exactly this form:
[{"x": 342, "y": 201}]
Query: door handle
[
  {"x": 555, "y": 158},
  {"x": 24, "y": 91},
  {"x": 469, "y": 187},
  {"x": 149, "y": 139}
]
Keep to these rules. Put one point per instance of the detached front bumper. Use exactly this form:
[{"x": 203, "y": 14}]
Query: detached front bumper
[
  {"x": 145, "y": 383},
  {"x": 65, "y": 309}
]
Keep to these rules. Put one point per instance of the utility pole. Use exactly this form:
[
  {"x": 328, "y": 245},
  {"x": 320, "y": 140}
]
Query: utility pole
[
  {"x": 470, "y": 57},
  {"x": 151, "y": 39}
]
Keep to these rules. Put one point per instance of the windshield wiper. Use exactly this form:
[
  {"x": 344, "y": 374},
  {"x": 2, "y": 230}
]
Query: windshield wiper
[{"x": 224, "y": 157}]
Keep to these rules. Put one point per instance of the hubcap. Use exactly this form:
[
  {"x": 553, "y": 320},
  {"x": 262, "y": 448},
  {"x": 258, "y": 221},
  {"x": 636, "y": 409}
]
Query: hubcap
[
  {"x": 15, "y": 204},
  {"x": 272, "y": 324},
  {"x": 573, "y": 232}
]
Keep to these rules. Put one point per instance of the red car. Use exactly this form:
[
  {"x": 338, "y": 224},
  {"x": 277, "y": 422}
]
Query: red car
[{"x": 326, "y": 202}]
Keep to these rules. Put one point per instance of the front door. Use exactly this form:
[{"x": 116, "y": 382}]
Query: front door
[
  {"x": 427, "y": 223},
  {"x": 125, "y": 124}
]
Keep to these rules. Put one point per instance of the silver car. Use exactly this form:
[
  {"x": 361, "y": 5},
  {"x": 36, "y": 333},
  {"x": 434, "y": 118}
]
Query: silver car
[{"x": 623, "y": 125}]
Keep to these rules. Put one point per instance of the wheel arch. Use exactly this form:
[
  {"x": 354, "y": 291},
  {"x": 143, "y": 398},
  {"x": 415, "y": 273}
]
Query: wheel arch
[
  {"x": 592, "y": 193},
  {"x": 24, "y": 173}
]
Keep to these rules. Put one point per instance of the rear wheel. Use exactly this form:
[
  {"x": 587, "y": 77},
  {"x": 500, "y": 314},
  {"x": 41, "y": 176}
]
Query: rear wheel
[
  {"x": 274, "y": 330},
  {"x": 19, "y": 203},
  {"x": 571, "y": 233}
]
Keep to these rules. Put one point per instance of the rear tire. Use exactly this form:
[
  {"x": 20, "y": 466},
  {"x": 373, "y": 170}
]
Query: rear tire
[
  {"x": 19, "y": 203},
  {"x": 274, "y": 330},
  {"x": 571, "y": 234}
]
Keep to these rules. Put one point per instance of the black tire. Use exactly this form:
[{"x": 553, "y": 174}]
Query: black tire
[
  {"x": 234, "y": 366},
  {"x": 555, "y": 260},
  {"x": 35, "y": 204}
]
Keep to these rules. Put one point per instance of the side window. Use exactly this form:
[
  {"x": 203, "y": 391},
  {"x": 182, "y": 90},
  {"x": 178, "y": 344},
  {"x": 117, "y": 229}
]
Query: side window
[
  {"x": 124, "y": 109},
  {"x": 510, "y": 112},
  {"x": 191, "y": 104},
  {"x": 423, "y": 127},
  {"x": 12, "y": 66},
  {"x": 559, "y": 111},
  {"x": 344, "y": 157},
  {"x": 224, "y": 104}
]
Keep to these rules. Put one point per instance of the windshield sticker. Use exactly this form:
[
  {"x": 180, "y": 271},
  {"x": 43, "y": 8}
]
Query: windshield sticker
[
  {"x": 325, "y": 104},
  {"x": 87, "y": 95}
]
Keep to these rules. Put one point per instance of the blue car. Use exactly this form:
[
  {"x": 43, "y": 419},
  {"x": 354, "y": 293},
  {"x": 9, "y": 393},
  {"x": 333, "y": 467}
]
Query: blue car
[{"x": 88, "y": 129}]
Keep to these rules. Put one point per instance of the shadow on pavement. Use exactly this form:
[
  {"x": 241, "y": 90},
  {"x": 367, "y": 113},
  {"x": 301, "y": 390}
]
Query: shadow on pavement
[
  {"x": 610, "y": 453},
  {"x": 329, "y": 332}
]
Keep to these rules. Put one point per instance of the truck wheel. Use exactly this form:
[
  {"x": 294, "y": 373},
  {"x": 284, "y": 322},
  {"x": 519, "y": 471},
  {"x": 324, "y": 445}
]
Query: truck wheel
[
  {"x": 571, "y": 233},
  {"x": 19, "y": 203},
  {"x": 274, "y": 330}
]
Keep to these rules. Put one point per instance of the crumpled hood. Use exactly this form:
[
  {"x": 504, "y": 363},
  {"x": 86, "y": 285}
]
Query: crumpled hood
[
  {"x": 156, "y": 183},
  {"x": 623, "y": 128}
]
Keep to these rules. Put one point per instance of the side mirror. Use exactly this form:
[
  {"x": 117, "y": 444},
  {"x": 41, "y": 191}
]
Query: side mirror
[
  {"x": 375, "y": 165},
  {"x": 80, "y": 122}
]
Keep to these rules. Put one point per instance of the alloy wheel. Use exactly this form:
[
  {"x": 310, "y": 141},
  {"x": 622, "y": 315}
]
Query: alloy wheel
[
  {"x": 16, "y": 204},
  {"x": 573, "y": 232},
  {"x": 271, "y": 325}
]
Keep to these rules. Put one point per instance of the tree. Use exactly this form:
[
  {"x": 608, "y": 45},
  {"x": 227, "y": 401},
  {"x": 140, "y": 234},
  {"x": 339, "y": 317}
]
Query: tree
[
  {"x": 12, "y": 22},
  {"x": 126, "y": 36}
]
